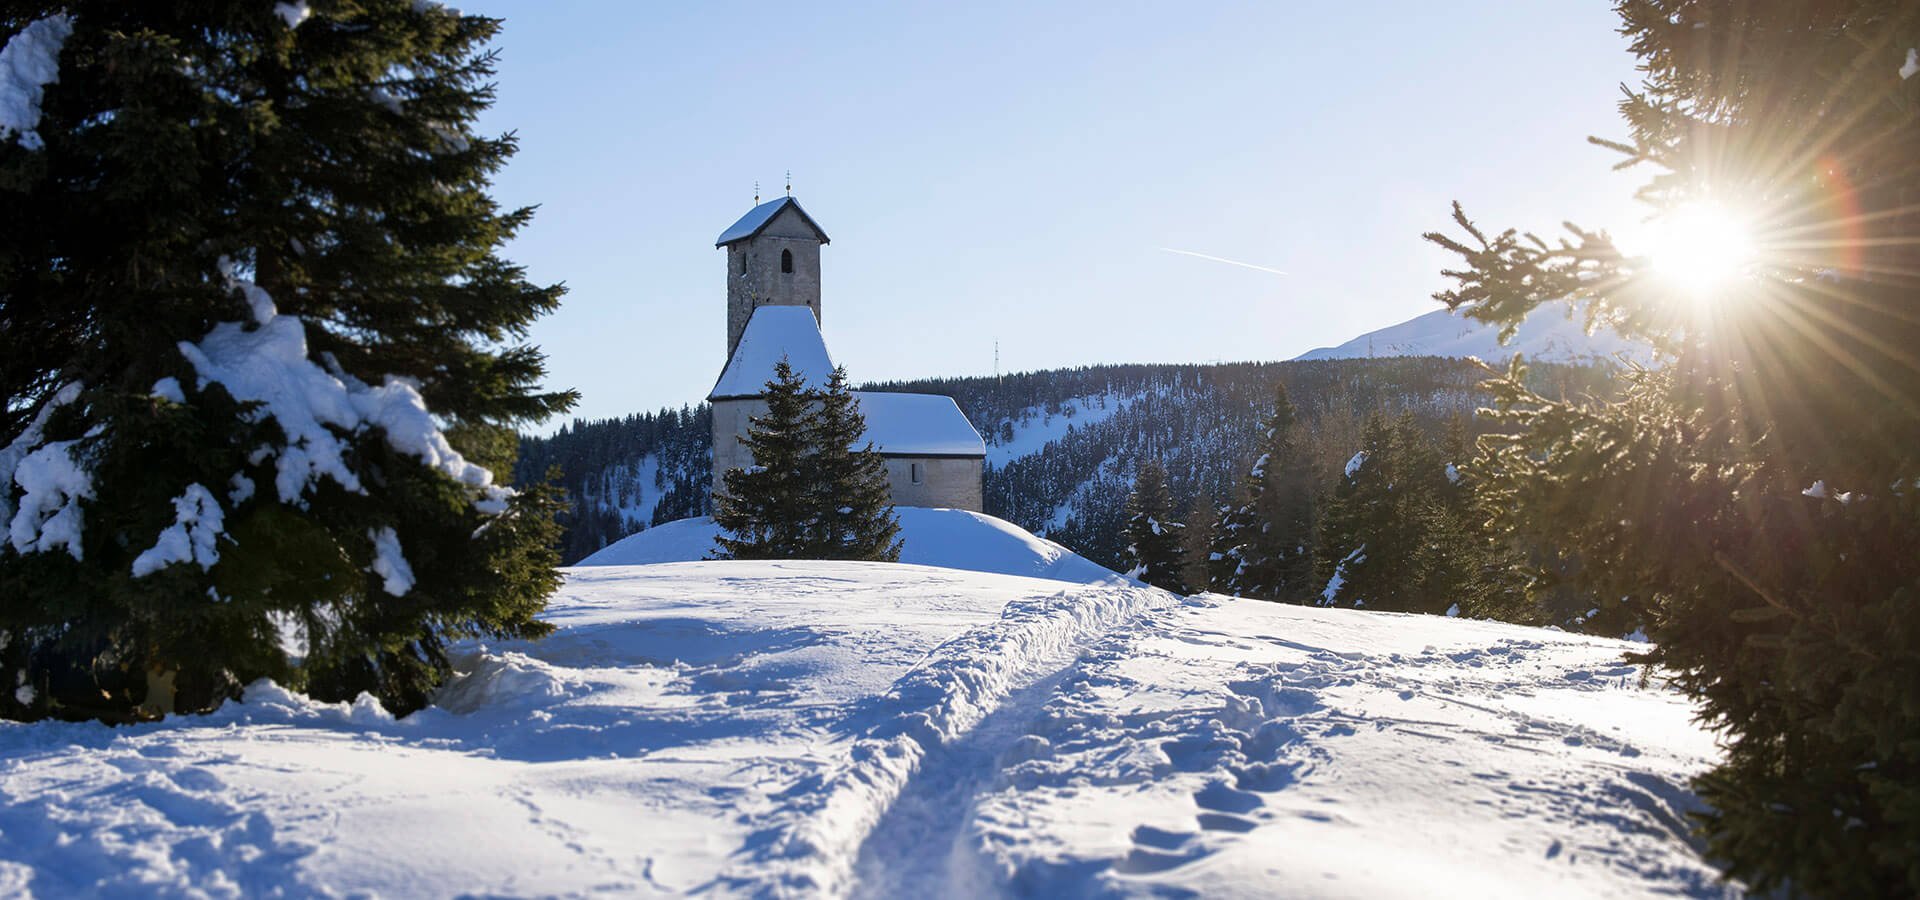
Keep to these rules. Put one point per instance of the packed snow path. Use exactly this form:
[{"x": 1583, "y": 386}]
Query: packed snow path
[
  {"x": 1224, "y": 747},
  {"x": 804, "y": 729}
]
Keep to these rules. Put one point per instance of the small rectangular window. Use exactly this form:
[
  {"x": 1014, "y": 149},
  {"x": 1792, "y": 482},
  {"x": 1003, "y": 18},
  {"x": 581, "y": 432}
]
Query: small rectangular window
[{"x": 913, "y": 472}]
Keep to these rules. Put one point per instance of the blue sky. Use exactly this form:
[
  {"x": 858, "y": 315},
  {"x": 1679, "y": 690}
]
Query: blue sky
[{"x": 1011, "y": 171}]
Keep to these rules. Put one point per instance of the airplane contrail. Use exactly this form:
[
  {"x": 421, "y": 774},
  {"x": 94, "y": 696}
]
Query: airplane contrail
[{"x": 1222, "y": 259}]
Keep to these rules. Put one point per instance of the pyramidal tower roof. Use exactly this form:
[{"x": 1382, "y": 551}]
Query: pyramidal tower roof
[{"x": 758, "y": 217}]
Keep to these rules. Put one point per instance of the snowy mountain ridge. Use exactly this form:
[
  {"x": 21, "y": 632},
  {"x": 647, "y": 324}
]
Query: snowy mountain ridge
[{"x": 1554, "y": 332}]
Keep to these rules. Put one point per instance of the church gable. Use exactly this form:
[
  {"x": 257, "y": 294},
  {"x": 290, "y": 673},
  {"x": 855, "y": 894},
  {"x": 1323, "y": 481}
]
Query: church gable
[
  {"x": 779, "y": 217},
  {"x": 773, "y": 333}
]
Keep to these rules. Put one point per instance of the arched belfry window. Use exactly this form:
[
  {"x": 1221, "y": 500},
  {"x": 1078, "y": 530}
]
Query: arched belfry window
[{"x": 786, "y": 261}]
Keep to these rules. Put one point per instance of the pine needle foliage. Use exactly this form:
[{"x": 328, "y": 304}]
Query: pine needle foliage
[
  {"x": 1270, "y": 533},
  {"x": 769, "y": 510},
  {"x": 1759, "y": 496},
  {"x": 817, "y": 489},
  {"x": 224, "y": 165},
  {"x": 1204, "y": 563},
  {"x": 854, "y": 502},
  {"x": 1155, "y": 540}
]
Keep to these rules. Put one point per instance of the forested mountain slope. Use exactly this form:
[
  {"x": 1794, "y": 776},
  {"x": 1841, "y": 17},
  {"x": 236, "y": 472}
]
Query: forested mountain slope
[{"x": 1062, "y": 444}]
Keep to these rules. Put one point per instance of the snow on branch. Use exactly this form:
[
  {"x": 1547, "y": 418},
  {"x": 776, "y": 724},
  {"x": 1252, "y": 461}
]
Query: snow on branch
[
  {"x": 292, "y": 13},
  {"x": 194, "y": 535},
  {"x": 269, "y": 365},
  {"x": 28, "y": 63},
  {"x": 389, "y": 563},
  {"x": 54, "y": 481}
]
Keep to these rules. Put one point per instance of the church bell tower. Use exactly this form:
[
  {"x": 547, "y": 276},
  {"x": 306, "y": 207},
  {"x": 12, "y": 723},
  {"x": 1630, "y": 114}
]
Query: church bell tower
[{"x": 773, "y": 259}]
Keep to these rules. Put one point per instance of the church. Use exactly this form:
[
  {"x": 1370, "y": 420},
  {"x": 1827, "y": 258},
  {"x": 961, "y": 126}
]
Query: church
[{"x": 934, "y": 456}]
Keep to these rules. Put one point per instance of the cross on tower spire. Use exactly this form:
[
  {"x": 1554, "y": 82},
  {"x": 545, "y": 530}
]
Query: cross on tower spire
[{"x": 789, "y": 182}]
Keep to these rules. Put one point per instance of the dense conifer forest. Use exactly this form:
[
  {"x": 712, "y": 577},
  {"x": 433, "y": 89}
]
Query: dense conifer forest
[{"x": 1201, "y": 422}]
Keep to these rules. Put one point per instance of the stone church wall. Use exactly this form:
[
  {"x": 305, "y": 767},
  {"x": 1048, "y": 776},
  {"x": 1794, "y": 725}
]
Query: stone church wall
[
  {"x": 954, "y": 483},
  {"x": 947, "y": 482}
]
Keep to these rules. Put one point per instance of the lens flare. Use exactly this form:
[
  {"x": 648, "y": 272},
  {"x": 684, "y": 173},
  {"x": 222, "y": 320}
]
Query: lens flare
[{"x": 1701, "y": 250}]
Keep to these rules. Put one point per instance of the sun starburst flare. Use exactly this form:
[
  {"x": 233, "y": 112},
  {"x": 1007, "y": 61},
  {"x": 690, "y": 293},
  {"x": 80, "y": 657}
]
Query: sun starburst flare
[{"x": 1702, "y": 250}]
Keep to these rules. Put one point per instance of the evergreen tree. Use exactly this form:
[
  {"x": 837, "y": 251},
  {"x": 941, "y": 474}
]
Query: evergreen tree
[
  {"x": 1390, "y": 537},
  {"x": 1757, "y": 495},
  {"x": 1271, "y": 533},
  {"x": 261, "y": 359},
  {"x": 770, "y": 510},
  {"x": 1358, "y": 553},
  {"x": 848, "y": 483},
  {"x": 1205, "y": 566},
  {"x": 1154, "y": 539}
]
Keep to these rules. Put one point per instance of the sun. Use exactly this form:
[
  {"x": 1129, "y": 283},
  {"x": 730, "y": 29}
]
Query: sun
[{"x": 1701, "y": 249}]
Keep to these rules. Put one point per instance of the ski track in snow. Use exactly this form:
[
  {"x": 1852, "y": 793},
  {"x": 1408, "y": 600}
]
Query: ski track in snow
[
  {"x": 913, "y": 851},
  {"x": 873, "y": 730},
  {"x": 940, "y": 702}
]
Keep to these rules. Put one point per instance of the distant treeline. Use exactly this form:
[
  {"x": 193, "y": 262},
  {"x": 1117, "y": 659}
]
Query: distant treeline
[
  {"x": 1201, "y": 422},
  {"x": 602, "y": 465}
]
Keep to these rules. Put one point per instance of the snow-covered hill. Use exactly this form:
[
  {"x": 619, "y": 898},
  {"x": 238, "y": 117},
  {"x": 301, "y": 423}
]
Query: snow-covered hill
[
  {"x": 808, "y": 728},
  {"x": 1555, "y": 332},
  {"x": 947, "y": 538}
]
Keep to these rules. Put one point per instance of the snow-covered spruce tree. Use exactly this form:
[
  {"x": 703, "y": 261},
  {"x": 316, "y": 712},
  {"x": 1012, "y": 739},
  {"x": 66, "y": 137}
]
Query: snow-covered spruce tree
[
  {"x": 1153, "y": 538},
  {"x": 769, "y": 510},
  {"x": 1352, "y": 523},
  {"x": 1389, "y": 540},
  {"x": 259, "y": 356},
  {"x": 1271, "y": 533},
  {"x": 1761, "y": 492},
  {"x": 853, "y": 505}
]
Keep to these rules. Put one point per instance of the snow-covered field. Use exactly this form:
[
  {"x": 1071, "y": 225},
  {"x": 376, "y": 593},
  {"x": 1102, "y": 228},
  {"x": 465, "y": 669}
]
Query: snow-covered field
[{"x": 900, "y": 730}]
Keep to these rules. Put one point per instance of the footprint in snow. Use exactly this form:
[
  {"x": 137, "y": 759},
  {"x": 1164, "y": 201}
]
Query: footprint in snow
[
  {"x": 1219, "y": 797},
  {"x": 1157, "y": 850}
]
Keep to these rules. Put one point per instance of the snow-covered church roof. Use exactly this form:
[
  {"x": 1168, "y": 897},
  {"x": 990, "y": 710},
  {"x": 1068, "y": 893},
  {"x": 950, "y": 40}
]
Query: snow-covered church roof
[
  {"x": 758, "y": 217},
  {"x": 774, "y": 332},
  {"x": 898, "y": 424},
  {"x": 918, "y": 425}
]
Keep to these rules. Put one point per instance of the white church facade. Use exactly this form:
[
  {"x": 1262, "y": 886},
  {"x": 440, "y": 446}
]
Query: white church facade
[{"x": 934, "y": 456}]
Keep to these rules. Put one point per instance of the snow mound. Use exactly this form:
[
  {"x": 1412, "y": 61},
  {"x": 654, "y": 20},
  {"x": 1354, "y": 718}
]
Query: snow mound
[
  {"x": 1553, "y": 332},
  {"x": 946, "y": 538}
]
